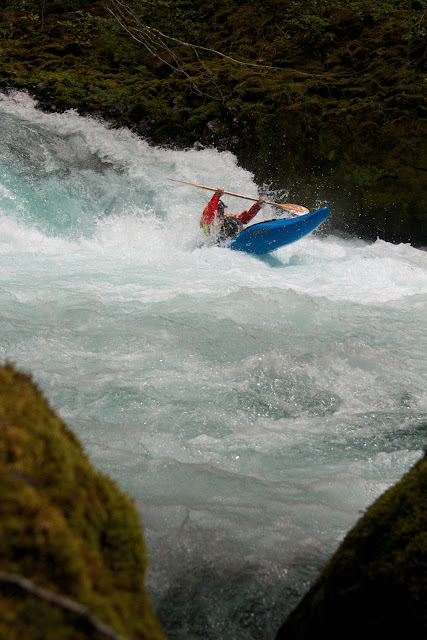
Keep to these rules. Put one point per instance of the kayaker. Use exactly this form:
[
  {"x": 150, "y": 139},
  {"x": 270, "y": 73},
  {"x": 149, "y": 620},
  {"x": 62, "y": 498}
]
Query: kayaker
[{"x": 214, "y": 220}]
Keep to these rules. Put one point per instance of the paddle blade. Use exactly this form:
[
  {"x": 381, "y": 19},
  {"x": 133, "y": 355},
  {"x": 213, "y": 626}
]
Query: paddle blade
[{"x": 297, "y": 209}]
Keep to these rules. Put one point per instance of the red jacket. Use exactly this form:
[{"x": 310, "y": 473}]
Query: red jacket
[{"x": 208, "y": 214}]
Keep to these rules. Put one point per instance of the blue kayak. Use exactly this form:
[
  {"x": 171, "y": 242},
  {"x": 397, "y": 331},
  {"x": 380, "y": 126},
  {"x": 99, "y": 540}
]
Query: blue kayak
[{"x": 271, "y": 235}]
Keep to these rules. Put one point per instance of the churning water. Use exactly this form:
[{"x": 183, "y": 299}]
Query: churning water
[{"x": 253, "y": 408}]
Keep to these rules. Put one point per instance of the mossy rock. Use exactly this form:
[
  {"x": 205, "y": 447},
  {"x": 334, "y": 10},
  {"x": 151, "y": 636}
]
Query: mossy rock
[
  {"x": 376, "y": 583},
  {"x": 65, "y": 527}
]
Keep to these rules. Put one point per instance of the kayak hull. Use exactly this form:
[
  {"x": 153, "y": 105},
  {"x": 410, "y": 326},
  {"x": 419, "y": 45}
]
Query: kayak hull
[{"x": 268, "y": 236}]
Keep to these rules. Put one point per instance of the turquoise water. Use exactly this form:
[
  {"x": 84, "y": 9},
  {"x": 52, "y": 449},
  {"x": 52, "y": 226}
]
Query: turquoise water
[{"x": 253, "y": 408}]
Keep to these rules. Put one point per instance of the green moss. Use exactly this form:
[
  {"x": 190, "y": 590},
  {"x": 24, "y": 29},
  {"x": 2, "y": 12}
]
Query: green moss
[
  {"x": 64, "y": 526},
  {"x": 367, "y": 175}
]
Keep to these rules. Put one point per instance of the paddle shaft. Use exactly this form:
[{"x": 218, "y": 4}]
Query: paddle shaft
[{"x": 294, "y": 208}]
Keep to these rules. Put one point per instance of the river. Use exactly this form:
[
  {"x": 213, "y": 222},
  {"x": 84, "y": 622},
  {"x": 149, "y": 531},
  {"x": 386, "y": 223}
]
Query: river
[{"x": 252, "y": 407}]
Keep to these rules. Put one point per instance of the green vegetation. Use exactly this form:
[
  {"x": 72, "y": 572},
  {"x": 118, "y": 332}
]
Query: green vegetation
[
  {"x": 326, "y": 101},
  {"x": 65, "y": 527}
]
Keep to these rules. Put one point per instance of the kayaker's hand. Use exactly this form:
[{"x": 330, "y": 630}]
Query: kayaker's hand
[
  {"x": 261, "y": 201},
  {"x": 219, "y": 192}
]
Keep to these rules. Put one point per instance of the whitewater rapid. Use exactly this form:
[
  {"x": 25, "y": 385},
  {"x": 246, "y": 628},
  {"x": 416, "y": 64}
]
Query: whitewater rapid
[{"x": 252, "y": 407}]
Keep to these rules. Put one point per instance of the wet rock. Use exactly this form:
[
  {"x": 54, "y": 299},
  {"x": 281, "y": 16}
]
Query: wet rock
[
  {"x": 376, "y": 583},
  {"x": 67, "y": 533}
]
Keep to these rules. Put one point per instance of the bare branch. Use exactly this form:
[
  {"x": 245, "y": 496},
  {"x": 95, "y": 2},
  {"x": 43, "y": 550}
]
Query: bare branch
[
  {"x": 152, "y": 42},
  {"x": 143, "y": 34},
  {"x": 60, "y": 601}
]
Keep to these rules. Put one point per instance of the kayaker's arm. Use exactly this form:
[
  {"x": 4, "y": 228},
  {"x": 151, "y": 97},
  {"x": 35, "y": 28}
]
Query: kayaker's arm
[
  {"x": 209, "y": 211},
  {"x": 247, "y": 216}
]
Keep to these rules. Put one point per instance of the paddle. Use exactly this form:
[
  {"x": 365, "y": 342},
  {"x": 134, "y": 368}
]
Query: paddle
[{"x": 293, "y": 208}]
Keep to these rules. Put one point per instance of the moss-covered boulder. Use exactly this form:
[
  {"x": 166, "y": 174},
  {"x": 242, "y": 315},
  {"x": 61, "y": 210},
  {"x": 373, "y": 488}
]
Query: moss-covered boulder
[
  {"x": 67, "y": 533},
  {"x": 375, "y": 586}
]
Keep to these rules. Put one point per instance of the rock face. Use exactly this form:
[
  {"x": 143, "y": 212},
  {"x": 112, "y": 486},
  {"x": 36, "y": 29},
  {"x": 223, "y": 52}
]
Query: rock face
[
  {"x": 66, "y": 531},
  {"x": 375, "y": 586}
]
